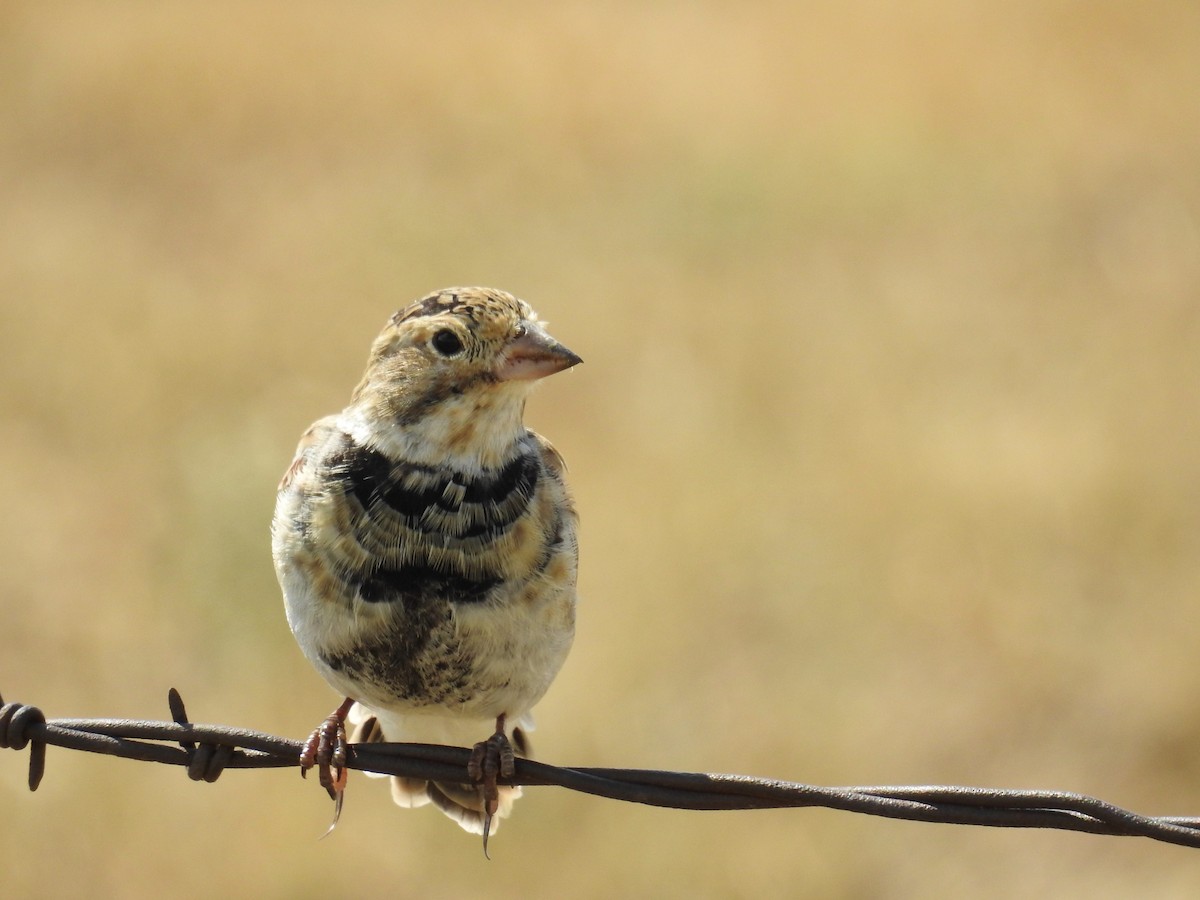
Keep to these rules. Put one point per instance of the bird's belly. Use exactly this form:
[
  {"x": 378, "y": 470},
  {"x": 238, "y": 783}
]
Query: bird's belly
[{"x": 470, "y": 660}]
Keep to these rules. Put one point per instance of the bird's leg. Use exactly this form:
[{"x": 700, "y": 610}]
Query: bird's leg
[
  {"x": 326, "y": 750},
  {"x": 490, "y": 760}
]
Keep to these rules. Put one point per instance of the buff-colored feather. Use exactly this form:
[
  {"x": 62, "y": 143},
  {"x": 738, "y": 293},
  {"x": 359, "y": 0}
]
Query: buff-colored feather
[{"x": 425, "y": 539}]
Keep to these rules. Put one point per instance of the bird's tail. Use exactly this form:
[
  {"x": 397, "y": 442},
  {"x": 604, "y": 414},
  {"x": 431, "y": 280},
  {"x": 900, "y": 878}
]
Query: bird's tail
[{"x": 462, "y": 802}]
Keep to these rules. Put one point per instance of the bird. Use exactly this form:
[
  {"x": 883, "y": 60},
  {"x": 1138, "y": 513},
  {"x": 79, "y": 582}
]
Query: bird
[{"x": 425, "y": 543}]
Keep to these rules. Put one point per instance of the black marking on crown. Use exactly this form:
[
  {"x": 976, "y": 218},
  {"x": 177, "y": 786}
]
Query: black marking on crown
[
  {"x": 451, "y": 301},
  {"x": 433, "y": 305}
]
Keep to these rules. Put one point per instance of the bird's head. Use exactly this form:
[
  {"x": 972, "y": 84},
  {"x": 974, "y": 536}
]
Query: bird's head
[{"x": 451, "y": 372}]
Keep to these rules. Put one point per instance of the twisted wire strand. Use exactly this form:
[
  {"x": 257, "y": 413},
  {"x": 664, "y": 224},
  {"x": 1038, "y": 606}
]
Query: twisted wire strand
[{"x": 207, "y": 750}]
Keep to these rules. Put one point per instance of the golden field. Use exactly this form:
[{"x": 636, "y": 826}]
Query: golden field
[{"x": 887, "y": 444}]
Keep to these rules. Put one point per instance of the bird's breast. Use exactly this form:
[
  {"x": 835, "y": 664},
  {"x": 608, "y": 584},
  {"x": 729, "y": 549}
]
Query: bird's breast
[{"x": 431, "y": 586}]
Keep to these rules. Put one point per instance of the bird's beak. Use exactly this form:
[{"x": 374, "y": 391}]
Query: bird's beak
[{"x": 534, "y": 354}]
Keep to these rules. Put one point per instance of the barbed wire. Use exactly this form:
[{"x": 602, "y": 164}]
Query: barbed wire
[{"x": 207, "y": 750}]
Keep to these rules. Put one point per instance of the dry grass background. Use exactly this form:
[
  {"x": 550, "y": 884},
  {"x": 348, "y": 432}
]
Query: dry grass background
[{"x": 886, "y": 443}]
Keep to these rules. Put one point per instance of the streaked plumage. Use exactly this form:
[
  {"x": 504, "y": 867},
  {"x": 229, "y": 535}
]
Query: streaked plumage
[{"x": 425, "y": 539}]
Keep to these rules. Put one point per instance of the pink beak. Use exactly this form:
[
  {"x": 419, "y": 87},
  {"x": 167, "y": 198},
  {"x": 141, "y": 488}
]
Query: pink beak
[{"x": 534, "y": 354}]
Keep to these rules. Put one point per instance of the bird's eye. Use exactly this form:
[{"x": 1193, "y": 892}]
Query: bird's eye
[{"x": 447, "y": 343}]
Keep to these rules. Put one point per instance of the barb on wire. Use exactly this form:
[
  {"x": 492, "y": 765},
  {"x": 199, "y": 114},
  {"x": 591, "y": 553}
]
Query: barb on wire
[{"x": 206, "y": 750}]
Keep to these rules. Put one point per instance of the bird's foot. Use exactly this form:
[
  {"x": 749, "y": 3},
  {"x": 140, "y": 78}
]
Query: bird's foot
[
  {"x": 326, "y": 750},
  {"x": 491, "y": 760}
]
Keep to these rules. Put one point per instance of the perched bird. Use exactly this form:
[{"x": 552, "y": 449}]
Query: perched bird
[{"x": 425, "y": 542}]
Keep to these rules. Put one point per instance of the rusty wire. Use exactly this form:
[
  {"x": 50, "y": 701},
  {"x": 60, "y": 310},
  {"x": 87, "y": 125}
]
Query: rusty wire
[{"x": 207, "y": 750}]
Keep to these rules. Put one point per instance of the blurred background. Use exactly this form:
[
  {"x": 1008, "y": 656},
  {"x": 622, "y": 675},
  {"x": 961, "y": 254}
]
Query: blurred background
[{"x": 886, "y": 444}]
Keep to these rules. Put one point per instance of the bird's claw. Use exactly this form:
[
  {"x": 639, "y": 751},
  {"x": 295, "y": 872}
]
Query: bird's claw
[
  {"x": 326, "y": 750},
  {"x": 490, "y": 761}
]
